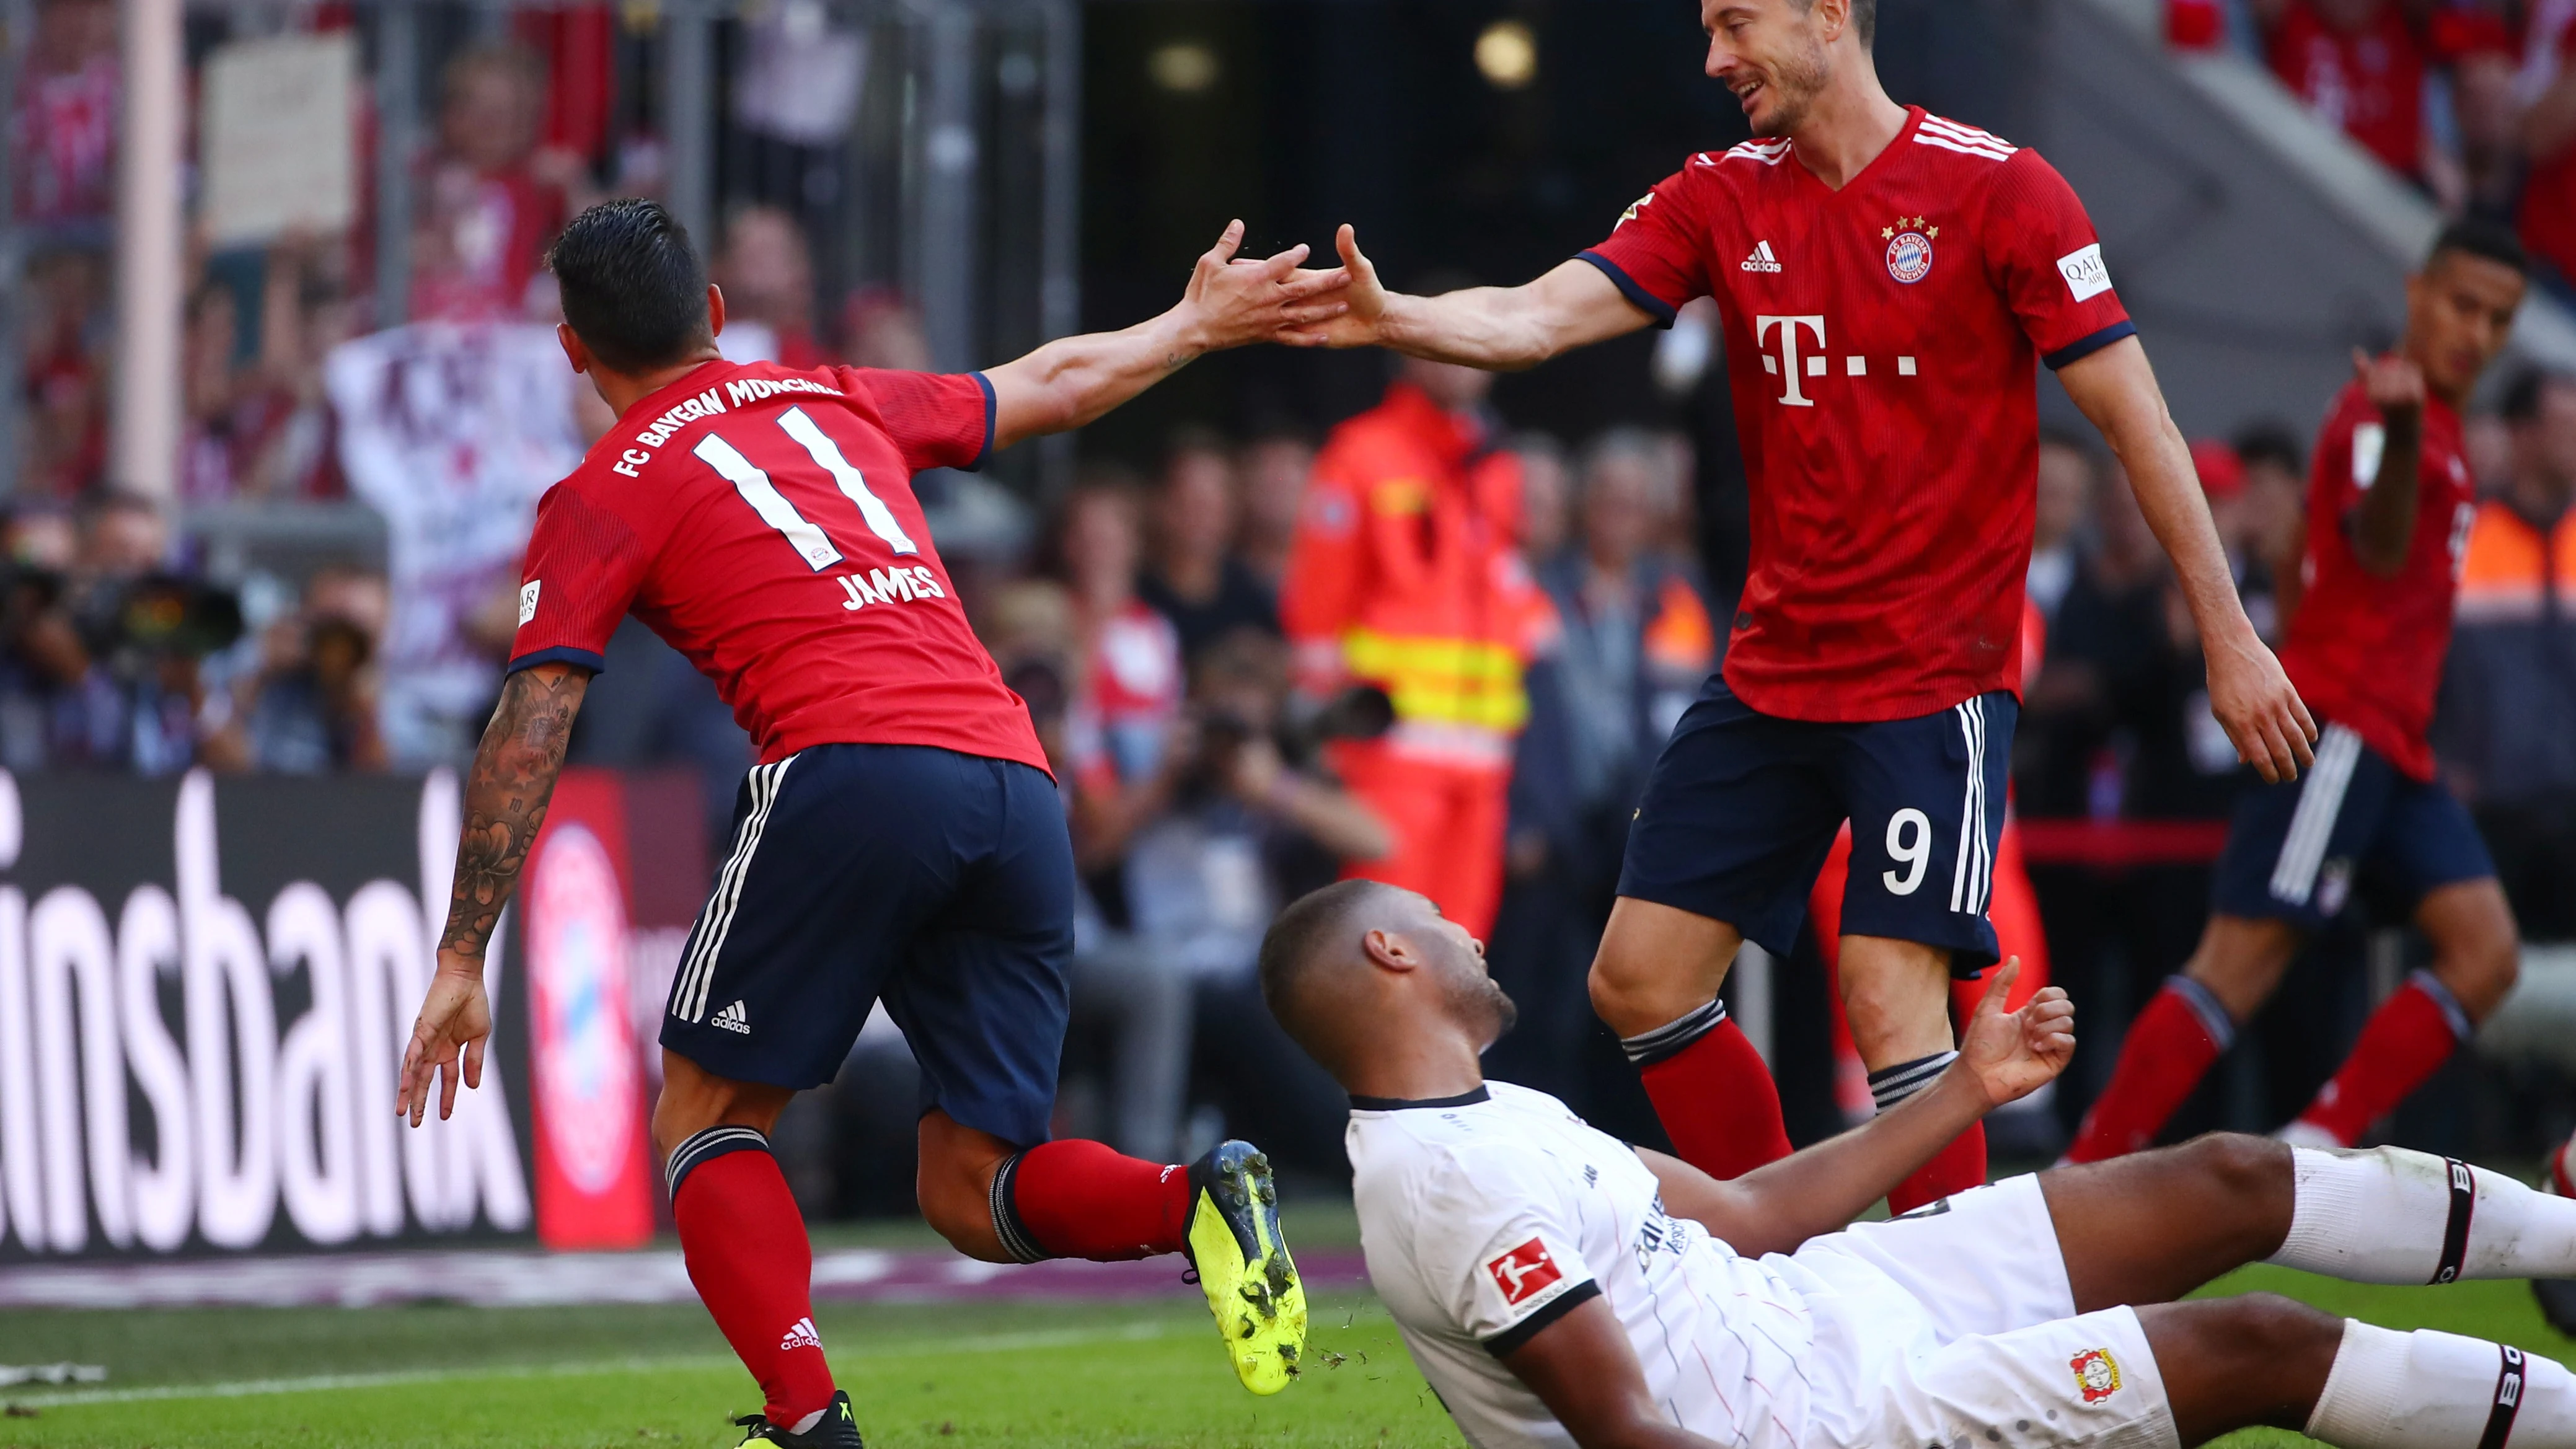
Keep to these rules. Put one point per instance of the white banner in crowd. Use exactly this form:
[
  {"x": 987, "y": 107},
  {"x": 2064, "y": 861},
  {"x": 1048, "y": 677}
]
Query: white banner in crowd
[{"x": 187, "y": 1067}]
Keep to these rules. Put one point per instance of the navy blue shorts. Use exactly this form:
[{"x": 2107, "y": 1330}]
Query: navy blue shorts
[
  {"x": 939, "y": 883},
  {"x": 2295, "y": 848},
  {"x": 1742, "y": 808}
]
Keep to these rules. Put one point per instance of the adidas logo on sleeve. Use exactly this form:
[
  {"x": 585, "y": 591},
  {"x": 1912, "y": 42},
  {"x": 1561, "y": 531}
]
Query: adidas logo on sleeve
[
  {"x": 732, "y": 1019},
  {"x": 1761, "y": 260}
]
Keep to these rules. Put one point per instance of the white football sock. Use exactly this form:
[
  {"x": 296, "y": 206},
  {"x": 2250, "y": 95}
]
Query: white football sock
[
  {"x": 2393, "y": 1216},
  {"x": 2428, "y": 1390}
]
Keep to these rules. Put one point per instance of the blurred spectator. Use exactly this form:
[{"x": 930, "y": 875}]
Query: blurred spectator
[
  {"x": 2506, "y": 729},
  {"x": 2361, "y": 65},
  {"x": 2108, "y": 708},
  {"x": 1547, "y": 497},
  {"x": 1407, "y": 580},
  {"x": 880, "y": 329},
  {"x": 67, "y": 320},
  {"x": 2065, "y": 502},
  {"x": 490, "y": 198},
  {"x": 1274, "y": 468},
  {"x": 450, "y": 433},
  {"x": 1635, "y": 642},
  {"x": 1127, "y": 665},
  {"x": 1193, "y": 578},
  {"x": 2273, "y": 520},
  {"x": 63, "y": 135},
  {"x": 767, "y": 274},
  {"x": 1253, "y": 822},
  {"x": 2545, "y": 87},
  {"x": 310, "y": 709}
]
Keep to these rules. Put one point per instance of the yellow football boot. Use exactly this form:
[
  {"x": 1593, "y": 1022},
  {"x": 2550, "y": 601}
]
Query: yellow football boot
[{"x": 1243, "y": 1266}]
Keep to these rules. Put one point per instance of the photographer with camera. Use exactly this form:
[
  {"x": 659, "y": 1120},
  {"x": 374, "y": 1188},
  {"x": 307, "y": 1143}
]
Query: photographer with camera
[{"x": 1253, "y": 820}]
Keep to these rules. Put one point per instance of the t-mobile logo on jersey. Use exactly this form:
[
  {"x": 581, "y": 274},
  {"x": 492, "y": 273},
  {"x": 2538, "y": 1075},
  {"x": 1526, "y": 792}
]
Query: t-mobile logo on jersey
[{"x": 1788, "y": 364}]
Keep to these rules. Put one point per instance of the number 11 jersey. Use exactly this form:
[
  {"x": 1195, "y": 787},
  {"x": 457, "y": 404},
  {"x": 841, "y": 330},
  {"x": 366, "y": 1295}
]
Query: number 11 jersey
[{"x": 762, "y": 521}]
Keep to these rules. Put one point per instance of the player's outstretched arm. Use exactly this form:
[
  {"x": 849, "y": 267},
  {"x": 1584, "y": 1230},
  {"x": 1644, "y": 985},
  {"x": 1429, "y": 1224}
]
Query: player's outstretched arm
[
  {"x": 505, "y": 806},
  {"x": 2003, "y": 1057},
  {"x": 2383, "y": 526},
  {"x": 1501, "y": 328},
  {"x": 1586, "y": 1372},
  {"x": 1073, "y": 380},
  {"x": 2252, "y": 699}
]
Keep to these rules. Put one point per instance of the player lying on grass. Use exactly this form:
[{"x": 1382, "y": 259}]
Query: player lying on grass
[
  {"x": 1558, "y": 1287},
  {"x": 900, "y": 841}
]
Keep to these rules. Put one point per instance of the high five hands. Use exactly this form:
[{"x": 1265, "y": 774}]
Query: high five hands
[{"x": 1234, "y": 300}]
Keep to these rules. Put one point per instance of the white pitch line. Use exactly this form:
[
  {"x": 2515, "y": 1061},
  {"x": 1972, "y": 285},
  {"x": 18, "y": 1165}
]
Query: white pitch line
[{"x": 325, "y": 1383}]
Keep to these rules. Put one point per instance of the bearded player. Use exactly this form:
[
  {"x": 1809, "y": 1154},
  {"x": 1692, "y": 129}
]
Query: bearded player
[
  {"x": 2390, "y": 501},
  {"x": 1889, "y": 283},
  {"x": 901, "y": 840},
  {"x": 1559, "y": 1288}
]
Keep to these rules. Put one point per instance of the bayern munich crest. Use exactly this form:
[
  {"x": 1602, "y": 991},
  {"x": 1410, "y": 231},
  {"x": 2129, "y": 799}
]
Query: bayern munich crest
[{"x": 1909, "y": 249}]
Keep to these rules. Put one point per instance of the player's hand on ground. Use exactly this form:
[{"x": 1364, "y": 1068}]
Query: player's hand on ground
[
  {"x": 1234, "y": 301},
  {"x": 2394, "y": 384},
  {"x": 2011, "y": 1054},
  {"x": 1363, "y": 297},
  {"x": 448, "y": 1040},
  {"x": 2262, "y": 713}
]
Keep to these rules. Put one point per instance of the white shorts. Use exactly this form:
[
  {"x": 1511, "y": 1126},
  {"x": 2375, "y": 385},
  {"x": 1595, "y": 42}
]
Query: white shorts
[{"x": 1954, "y": 1328}]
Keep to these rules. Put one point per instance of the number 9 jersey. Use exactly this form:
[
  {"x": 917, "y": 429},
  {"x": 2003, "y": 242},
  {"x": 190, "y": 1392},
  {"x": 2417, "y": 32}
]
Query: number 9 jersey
[{"x": 761, "y": 520}]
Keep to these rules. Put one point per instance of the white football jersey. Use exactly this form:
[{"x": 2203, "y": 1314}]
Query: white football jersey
[{"x": 1486, "y": 1217}]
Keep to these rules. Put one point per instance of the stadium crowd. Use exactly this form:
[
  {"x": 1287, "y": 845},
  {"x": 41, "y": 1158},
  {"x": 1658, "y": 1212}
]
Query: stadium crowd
[{"x": 1164, "y": 628}]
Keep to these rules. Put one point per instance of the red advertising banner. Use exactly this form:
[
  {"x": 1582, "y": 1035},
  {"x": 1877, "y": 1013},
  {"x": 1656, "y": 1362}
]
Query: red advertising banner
[{"x": 594, "y": 1173}]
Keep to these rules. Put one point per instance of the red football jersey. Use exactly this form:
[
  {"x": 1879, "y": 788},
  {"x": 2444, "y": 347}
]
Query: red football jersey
[
  {"x": 762, "y": 521},
  {"x": 1891, "y": 429},
  {"x": 2366, "y": 652}
]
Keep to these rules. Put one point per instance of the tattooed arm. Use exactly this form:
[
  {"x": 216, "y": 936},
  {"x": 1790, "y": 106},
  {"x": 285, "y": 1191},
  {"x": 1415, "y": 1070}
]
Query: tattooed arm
[{"x": 505, "y": 806}]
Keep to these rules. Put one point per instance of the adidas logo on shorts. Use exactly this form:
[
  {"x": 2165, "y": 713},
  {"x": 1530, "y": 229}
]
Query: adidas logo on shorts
[
  {"x": 732, "y": 1019},
  {"x": 801, "y": 1336}
]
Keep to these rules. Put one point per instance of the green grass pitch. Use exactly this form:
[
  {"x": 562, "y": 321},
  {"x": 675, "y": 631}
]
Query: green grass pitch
[{"x": 1052, "y": 1374}]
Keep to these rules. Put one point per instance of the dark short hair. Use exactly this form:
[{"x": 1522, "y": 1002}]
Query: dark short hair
[
  {"x": 2478, "y": 237},
  {"x": 633, "y": 288},
  {"x": 2270, "y": 442},
  {"x": 1299, "y": 940}
]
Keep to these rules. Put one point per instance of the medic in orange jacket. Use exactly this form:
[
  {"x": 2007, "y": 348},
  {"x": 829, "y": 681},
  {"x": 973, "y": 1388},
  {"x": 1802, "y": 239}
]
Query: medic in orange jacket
[{"x": 1405, "y": 575}]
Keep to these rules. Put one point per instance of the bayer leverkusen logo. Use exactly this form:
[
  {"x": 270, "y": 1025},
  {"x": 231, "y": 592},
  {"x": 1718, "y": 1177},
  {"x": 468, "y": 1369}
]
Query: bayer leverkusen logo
[
  {"x": 2097, "y": 1374},
  {"x": 1909, "y": 249}
]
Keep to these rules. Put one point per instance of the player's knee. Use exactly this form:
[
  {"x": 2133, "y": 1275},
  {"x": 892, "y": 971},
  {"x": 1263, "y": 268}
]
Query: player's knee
[
  {"x": 959, "y": 1208},
  {"x": 2481, "y": 963},
  {"x": 1628, "y": 998},
  {"x": 2268, "y": 1329},
  {"x": 2243, "y": 1180}
]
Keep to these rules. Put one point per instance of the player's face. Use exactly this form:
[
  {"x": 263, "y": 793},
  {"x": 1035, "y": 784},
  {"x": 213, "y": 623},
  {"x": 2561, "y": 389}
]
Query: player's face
[
  {"x": 1771, "y": 54},
  {"x": 2460, "y": 310},
  {"x": 1459, "y": 958}
]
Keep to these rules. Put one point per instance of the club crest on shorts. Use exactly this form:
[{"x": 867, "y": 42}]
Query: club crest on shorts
[
  {"x": 2096, "y": 1373},
  {"x": 1909, "y": 249}
]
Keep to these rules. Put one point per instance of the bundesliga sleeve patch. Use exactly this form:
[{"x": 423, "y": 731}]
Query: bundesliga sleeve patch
[
  {"x": 1525, "y": 1272},
  {"x": 528, "y": 600},
  {"x": 2097, "y": 1374},
  {"x": 2085, "y": 275}
]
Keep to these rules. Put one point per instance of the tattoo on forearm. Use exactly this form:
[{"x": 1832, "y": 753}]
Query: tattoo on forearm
[{"x": 505, "y": 800}]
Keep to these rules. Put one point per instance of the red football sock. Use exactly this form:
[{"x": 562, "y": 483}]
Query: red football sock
[
  {"x": 1714, "y": 1095},
  {"x": 1078, "y": 1199},
  {"x": 2169, "y": 1046},
  {"x": 2412, "y": 1033},
  {"x": 747, "y": 1253},
  {"x": 1955, "y": 1168}
]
